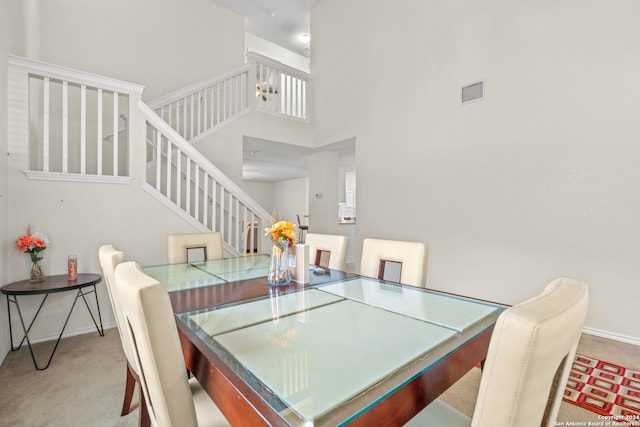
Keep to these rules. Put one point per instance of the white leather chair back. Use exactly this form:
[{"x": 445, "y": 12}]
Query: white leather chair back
[
  {"x": 109, "y": 258},
  {"x": 163, "y": 374},
  {"x": 532, "y": 348},
  {"x": 533, "y": 345},
  {"x": 177, "y": 245},
  {"x": 335, "y": 244},
  {"x": 410, "y": 254}
]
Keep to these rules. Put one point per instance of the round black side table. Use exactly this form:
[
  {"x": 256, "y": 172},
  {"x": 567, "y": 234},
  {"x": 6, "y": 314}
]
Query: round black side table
[{"x": 84, "y": 285}]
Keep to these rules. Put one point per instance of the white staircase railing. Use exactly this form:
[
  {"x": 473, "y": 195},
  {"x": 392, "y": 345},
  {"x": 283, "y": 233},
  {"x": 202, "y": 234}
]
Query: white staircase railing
[
  {"x": 199, "y": 109},
  {"x": 181, "y": 177},
  {"x": 77, "y": 127},
  {"x": 280, "y": 89},
  {"x": 262, "y": 84},
  {"x": 84, "y": 127}
]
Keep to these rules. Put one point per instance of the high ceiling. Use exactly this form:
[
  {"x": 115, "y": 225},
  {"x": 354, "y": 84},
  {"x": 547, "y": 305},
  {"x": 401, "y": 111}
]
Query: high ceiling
[
  {"x": 281, "y": 22},
  {"x": 278, "y": 21}
]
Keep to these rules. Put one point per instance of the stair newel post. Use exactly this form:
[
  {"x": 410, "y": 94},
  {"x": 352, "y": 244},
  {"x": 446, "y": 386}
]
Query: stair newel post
[
  {"x": 137, "y": 139},
  {"x": 252, "y": 83}
]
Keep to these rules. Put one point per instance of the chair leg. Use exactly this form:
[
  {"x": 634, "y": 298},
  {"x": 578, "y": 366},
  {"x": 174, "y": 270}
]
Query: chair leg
[
  {"x": 128, "y": 391},
  {"x": 144, "y": 420}
]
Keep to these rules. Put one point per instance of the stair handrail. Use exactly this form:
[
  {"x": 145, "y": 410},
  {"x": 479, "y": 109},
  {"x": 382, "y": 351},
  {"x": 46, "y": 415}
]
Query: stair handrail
[
  {"x": 199, "y": 109},
  {"x": 195, "y": 87},
  {"x": 69, "y": 74},
  {"x": 199, "y": 158},
  {"x": 252, "y": 58},
  {"x": 206, "y": 166}
]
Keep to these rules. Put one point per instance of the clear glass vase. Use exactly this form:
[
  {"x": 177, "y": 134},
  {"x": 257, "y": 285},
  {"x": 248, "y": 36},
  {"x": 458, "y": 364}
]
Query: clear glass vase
[
  {"x": 36, "y": 273},
  {"x": 279, "y": 266}
]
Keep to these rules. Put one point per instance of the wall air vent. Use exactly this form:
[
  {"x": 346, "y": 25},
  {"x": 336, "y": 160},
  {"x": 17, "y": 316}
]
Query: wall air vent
[{"x": 472, "y": 92}]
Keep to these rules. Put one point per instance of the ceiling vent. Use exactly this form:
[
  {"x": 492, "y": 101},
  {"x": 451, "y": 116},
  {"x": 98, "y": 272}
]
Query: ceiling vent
[{"x": 473, "y": 92}]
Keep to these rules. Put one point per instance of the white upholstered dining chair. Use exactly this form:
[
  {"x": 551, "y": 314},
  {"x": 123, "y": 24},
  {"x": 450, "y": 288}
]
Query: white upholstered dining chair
[
  {"x": 327, "y": 250},
  {"x": 170, "y": 398},
  {"x": 206, "y": 246},
  {"x": 530, "y": 355},
  {"x": 393, "y": 260},
  {"x": 109, "y": 258}
]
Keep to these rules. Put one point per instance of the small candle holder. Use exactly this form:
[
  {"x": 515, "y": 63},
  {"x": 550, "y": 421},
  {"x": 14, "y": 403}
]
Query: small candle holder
[{"x": 72, "y": 268}]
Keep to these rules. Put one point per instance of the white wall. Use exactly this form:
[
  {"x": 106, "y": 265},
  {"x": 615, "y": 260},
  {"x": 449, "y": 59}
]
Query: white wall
[
  {"x": 323, "y": 192},
  {"x": 78, "y": 218},
  {"x": 534, "y": 182},
  {"x": 3, "y": 169},
  {"x": 11, "y": 40},
  {"x": 224, "y": 148},
  {"x": 290, "y": 199},
  {"x": 264, "y": 47},
  {"x": 161, "y": 45}
]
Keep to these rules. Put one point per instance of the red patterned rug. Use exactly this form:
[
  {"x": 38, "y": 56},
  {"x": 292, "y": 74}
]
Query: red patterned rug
[{"x": 606, "y": 389}]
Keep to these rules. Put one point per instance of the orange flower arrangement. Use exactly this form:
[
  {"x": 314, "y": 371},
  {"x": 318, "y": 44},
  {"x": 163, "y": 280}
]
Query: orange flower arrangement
[
  {"x": 283, "y": 236},
  {"x": 32, "y": 244},
  {"x": 282, "y": 233}
]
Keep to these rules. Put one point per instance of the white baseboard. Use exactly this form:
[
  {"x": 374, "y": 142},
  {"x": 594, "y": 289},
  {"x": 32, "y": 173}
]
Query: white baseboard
[
  {"x": 612, "y": 336},
  {"x": 55, "y": 337},
  {"x": 87, "y": 330}
]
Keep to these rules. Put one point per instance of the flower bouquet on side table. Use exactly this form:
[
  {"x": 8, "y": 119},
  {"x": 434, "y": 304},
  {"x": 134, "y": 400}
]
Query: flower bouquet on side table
[
  {"x": 283, "y": 236},
  {"x": 33, "y": 244}
]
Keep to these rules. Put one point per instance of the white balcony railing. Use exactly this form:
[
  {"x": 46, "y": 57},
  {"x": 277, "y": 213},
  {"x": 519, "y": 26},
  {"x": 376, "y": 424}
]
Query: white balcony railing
[
  {"x": 280, "y": 89},
  {"x": 77, "y": 122},
  {"x": 262, "y": 84}
]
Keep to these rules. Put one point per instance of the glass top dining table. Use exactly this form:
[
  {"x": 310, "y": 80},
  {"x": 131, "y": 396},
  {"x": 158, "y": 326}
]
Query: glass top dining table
[{"x": 343, "y": 349}]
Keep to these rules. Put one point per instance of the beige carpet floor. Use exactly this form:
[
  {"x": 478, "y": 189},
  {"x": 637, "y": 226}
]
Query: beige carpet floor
[
  {"x": 83, "y": 386},
  {"x": 85, "y": 383}
]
